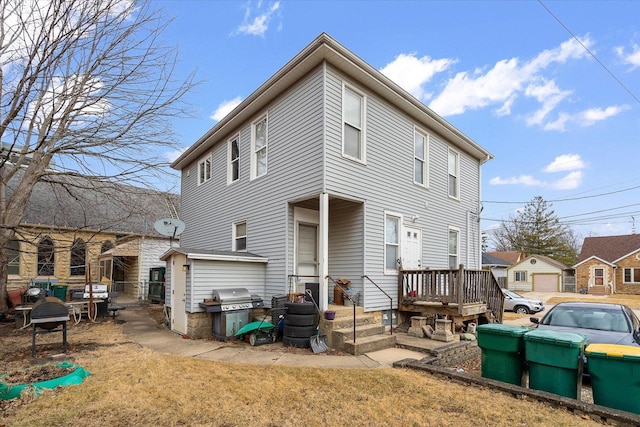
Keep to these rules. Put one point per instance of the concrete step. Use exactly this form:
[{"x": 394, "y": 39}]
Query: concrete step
[
  {"x": 368, "y": 344},
  {"x": 346, "y": 334}
]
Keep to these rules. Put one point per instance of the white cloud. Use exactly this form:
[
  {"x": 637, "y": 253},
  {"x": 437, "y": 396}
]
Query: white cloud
[
  {"x": 569, "y": 182},
  {"x": 225, "y": 108},
  {"x": 632, "y": 58},
  {"x": 501, "y": 85},
  {"x": 586, "y": 118},
  {"x": 526, "y": 180},
  {"x": 565, "y": 162},
  {"x": 547, "y": 94},
  {"x": 593, "y": 115},
  {"x": 257, "y": 24},
  {"x": 173, "y": 155},
  {"x": 412, "y": 73}
]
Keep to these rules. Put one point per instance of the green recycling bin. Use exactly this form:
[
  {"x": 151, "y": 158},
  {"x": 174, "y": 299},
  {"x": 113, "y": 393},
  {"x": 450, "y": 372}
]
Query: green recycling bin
[
  {"x": 502, "y": 351},
  {"x": 555, "y": 361},
  {"x": 615, "y": 375},
  {"x": 59, "y": 291}
]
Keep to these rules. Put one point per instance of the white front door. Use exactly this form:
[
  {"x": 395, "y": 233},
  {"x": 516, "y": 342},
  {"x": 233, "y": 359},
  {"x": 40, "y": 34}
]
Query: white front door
[{"x": 411, "y": 248}]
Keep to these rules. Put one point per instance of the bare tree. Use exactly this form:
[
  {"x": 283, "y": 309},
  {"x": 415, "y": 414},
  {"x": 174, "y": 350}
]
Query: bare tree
[
  {"x": 536, "y": 229},
  {"x": 86, "y": 90}
]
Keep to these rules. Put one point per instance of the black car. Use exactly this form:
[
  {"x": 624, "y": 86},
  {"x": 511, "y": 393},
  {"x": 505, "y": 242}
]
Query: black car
[{"x": 601, "y": 323}]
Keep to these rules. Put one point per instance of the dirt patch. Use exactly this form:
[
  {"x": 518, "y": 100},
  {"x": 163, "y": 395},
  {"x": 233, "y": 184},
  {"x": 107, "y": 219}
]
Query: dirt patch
[{"x": 35, "y": 374}]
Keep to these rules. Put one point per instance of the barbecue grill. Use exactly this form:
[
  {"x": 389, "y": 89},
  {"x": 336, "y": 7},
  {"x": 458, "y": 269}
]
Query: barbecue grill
[
  {"x": 99, "y": 291},
  {"x": 231, "y": 310},
  {"x": 49, "y": 314}
]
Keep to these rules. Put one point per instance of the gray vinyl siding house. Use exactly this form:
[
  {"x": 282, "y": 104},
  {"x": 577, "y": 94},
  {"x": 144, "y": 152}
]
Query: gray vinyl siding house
[{"x": 311, "y": 184}]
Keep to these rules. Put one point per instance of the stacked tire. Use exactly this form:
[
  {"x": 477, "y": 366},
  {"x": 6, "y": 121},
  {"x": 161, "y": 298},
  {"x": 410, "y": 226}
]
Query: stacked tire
[{"x": 300, "y": 323}]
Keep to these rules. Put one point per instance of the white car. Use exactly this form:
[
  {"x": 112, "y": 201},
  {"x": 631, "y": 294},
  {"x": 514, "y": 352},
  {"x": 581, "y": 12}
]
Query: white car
[{"x": 519, "y": 304}]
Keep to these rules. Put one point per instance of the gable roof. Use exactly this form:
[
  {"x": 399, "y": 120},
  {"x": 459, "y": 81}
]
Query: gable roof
[
  {"x": 552, "y": 262},
  {"x": 609, "y": 248},
  {"x": 509, "y": 256},
  {"x": 79, "y": 203},
  {"x": 494, "y": 261},
  {"x": 326, "y": 49}
]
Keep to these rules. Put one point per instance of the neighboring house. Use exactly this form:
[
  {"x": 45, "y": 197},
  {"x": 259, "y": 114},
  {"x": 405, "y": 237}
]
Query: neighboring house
[
  {"x": 72, "y": 229},
  {"x": 497, "y": 266},
  {"x": 538, "y": 273},
  {"x": 328, "y": 170},
  {"x": 609, "y": 264}
]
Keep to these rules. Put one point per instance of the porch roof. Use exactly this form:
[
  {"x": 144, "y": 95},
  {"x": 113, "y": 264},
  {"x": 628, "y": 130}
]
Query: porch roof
[
  {"x": 214, "y": 255},
  {"x": 128, "y": 249}
]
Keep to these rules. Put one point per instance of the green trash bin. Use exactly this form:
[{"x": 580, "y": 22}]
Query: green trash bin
[
  {"x": 615, "y": 375},
  {"x": 502, "y": 351},
  {"x": 555, "y": 361},
  {"x": 59, "y": 291}
]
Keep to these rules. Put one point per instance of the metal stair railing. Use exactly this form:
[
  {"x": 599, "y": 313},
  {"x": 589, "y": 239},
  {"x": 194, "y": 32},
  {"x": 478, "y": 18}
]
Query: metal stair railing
[
  {"x": 390, "y": 301},
  {"x": 350, "y": 298}
]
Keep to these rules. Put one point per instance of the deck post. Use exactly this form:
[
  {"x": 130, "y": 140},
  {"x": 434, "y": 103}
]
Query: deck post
[{"x": 460, "y": 288}]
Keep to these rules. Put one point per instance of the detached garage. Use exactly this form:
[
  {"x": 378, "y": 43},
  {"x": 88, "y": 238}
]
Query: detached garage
[{"x": 536, "y": 273}]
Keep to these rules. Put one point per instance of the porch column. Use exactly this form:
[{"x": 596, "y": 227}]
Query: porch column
[{"x": 323, "y": 251}]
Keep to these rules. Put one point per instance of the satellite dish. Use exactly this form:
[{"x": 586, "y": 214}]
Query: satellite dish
[{"x": 171, "y": 227}]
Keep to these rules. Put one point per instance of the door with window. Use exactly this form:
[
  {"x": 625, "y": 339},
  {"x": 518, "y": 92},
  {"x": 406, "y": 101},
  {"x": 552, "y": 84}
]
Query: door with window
[
  {"x": 307, "y": 252},
  {"x": 598, "y": 275},
  {"x": 411, "y": 248}
]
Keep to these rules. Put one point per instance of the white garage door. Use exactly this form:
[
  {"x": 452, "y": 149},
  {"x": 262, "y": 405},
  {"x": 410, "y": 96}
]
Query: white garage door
[{"x": 545, "y": 282}]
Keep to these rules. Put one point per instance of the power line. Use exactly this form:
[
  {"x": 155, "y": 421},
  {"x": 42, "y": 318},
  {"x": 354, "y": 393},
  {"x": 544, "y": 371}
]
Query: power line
[
  {"x": 590, "y": 53},
  {"x": 568, "y": 199}
]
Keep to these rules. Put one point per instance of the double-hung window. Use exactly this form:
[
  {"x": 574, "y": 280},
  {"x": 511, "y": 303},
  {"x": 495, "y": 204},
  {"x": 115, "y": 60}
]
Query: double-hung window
[
  {"x": 454, "y": 173},
  {"x": 233, "y": 153},
  {"x": 204, "y": 170},
  {"x": 420, "y": 158},
  {"x": 454, "y": 246},
  {"x": 240, "y": 236},
  {"x": 259, "y": 147},
  {"x": 632, "y": 275},
  {"x": 520, "y": 276},
  {"x": 391, "y": 242},
  {"x": 353, "y": 141}
]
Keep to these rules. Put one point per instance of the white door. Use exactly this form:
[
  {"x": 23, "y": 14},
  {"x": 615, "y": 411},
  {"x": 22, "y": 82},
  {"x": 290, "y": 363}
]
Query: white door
[
  {"x": 179, "y": 297},
  {"x": 411, "y": 248},
  {"x": 307, "y": 252}
]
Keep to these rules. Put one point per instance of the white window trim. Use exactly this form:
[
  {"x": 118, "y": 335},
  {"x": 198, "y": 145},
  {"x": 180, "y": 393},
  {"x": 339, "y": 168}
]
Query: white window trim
[
  {"x": 254, "y": 162},
  {"x": 425, "y": 158},
  {"x": 384, "y": 239},
  {"x": 202, "y": 163},
  {"x": 230, "y": 179},
  {"x": 363, "y": 128},
  {"x": 457, "y": 175},
  {"x": 457, "y": 230},
  {"x": 235, "y": 237}
]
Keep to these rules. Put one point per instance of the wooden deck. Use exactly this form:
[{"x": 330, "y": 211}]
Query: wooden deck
[{"x": 460, "y": 294}]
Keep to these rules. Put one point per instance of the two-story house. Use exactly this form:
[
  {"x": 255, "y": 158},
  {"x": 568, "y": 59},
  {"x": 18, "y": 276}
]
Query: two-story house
[{"x": 328, "y": 170}]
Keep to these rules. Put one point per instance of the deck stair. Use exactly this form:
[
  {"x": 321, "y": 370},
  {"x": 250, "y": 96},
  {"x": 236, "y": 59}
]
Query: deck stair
[{"x": 370, "y": 334}]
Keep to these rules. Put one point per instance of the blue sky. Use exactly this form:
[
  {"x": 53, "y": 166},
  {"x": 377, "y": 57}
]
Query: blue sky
[{"x": 550, "y": 88}]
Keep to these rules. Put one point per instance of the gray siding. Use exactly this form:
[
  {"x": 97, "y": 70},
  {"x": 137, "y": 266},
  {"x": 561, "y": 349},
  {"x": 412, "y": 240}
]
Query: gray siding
[
  {"x": 209, "y": 275},
  {"x": 386, "y": 184},
  {"x": 295, "y": 126}
]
